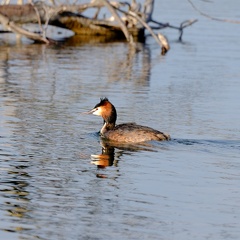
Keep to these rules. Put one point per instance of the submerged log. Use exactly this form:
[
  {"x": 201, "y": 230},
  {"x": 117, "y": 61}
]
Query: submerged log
[{"x": 82, "y": 25}]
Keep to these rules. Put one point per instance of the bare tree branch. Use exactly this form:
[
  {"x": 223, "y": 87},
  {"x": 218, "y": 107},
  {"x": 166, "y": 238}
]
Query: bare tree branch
[
  {"x": 133, "y": 14},
  {"x": 122, "y": 25},
  {"x": 210, "y": 17},
  {"x": 16, "y": 29}
]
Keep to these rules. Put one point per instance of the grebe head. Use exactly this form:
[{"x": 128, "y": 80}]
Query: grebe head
[{"x": 106, "y": 110}]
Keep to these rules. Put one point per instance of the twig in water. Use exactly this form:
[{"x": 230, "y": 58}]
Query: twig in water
[{"x": 185, "y": 24}]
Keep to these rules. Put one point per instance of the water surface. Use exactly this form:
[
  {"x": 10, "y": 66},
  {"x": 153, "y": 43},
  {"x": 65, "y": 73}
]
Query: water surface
[{"x": 60, "y": 181}]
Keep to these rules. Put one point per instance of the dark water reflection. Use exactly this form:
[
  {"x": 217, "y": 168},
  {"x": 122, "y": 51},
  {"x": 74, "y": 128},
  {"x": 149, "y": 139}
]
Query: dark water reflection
[
  {"x": 58, "y": 179},
  {"x": 109, "y": 157}
]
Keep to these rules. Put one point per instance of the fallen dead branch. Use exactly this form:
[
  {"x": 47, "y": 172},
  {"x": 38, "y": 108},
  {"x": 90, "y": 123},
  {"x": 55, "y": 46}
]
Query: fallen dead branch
[
  {"x": 11, "y": 26},
  {"x": 129, "y": 23}
]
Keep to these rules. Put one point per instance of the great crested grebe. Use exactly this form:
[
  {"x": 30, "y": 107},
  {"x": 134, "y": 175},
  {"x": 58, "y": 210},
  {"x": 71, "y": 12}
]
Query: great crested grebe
[{"x": 126, "y": 132}]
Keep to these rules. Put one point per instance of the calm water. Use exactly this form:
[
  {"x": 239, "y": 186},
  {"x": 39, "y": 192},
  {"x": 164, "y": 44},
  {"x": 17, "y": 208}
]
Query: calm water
[{"x": 52, "y": 181}]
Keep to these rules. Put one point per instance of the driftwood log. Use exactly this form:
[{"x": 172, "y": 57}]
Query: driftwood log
[{"x": 128, "y": 20}]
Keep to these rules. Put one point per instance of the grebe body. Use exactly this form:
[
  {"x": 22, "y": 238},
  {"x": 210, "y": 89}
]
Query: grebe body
[{"x": 126, "y": 132}]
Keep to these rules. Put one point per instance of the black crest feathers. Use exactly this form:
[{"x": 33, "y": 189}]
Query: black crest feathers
[{"x": 102, "y": 101}]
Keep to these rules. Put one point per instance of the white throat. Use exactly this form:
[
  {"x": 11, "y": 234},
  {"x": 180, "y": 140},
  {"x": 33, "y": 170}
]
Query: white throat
[{"x": 103, "y": 130}]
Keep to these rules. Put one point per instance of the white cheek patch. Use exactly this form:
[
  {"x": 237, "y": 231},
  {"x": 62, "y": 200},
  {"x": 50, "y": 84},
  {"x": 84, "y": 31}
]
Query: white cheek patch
[{"x": 98, "y": 111}]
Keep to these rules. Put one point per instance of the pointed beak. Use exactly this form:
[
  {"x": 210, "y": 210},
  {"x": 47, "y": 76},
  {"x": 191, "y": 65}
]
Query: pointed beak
[{"x": 90, "y": 112}]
